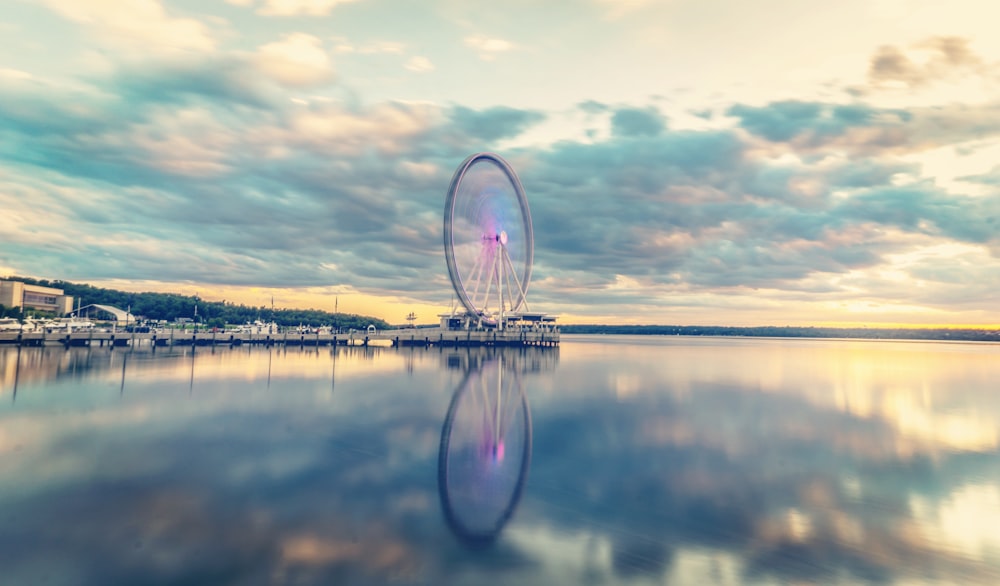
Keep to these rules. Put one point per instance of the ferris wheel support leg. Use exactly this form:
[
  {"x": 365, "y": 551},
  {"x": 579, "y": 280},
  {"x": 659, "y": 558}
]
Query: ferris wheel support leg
[
  {"x": 507, "y": 281},
  {"x": 514, "y": 303}
]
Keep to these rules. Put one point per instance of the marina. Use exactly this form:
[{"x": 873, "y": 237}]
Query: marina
[{"x": 542, "y": 336}]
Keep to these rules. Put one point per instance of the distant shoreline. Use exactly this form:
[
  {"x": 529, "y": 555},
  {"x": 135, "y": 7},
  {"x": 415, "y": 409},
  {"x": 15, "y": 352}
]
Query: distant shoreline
[{"x": 936, "y": 334}]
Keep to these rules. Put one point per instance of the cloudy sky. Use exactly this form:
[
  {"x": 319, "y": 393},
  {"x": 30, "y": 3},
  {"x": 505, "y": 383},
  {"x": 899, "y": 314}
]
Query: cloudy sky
[{"x": 686, "y": 162}]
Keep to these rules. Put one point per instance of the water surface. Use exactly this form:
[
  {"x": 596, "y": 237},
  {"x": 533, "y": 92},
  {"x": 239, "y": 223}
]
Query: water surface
[{"x": 652, "y": 460}]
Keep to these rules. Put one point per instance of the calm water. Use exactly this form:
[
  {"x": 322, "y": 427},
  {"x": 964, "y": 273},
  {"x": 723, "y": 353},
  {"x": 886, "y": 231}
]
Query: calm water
[{"x": 611, "y": 460}]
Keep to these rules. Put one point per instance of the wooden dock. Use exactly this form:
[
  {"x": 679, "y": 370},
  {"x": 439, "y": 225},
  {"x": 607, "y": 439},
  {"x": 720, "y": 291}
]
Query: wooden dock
[{"x": 402, "y": 337}]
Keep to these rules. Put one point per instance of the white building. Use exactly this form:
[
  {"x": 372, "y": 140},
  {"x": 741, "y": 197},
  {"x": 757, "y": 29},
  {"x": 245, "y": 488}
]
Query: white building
[{"x": 23, "y": 295}]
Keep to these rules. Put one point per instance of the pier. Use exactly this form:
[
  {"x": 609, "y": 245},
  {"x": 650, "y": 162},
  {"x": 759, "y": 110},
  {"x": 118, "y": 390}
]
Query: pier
[{"x": 522, "y": 337}]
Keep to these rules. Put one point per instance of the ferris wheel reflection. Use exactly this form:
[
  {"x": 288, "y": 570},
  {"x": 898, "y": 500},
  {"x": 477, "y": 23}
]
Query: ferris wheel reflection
[{"x": 485, "y": 450}]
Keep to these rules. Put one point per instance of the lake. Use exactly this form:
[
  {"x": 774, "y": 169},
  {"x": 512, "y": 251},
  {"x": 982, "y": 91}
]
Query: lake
[{"x": 609, "y": 460}]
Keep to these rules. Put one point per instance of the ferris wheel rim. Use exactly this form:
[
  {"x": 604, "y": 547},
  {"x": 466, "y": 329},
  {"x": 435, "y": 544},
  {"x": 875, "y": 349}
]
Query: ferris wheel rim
[{"x": 449, "y": 237}]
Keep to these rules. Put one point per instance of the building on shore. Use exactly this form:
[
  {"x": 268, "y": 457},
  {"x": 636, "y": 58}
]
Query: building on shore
[
  {"x": 514, "y": 321},
  {"x": 25, "y": 296}
]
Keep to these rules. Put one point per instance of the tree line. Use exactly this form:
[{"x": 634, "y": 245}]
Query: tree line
[
  {"x": 170, "y": 306},
  {"x": 790, "y": 332}
]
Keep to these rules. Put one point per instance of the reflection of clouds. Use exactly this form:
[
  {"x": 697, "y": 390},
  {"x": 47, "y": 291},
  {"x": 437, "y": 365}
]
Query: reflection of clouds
[
  {"x": 168, "y": 364},
  {"x": 578, "y": 557},
  {"x": 967, "y": 520},
  {"x": 801, "y": 489},
  {"x": 967, "y": 429},
  {"x": 935, "y": 396},
  {"x": 896, "y": 551},
  {"x": 582, "y": 558},
  {"x": 235, "y": 484},
  {"x": 623, "y": 383},
  {"x": 31, "y": 365},
  {"x": 727, "y": 481},
  {"x": 630, "y": 559},
  {"x": 181, "y": 534},
  {"x": 376, "y": 555},
  {"x": 34, "y": 457}
]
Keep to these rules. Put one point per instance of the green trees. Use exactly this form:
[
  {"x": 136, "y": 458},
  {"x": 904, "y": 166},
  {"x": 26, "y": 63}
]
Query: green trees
[{"x": 11, "y": 312}]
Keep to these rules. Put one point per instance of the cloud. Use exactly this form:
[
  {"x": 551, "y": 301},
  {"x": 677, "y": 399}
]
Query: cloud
[
  {"x": 419, "y": 64},
  {"x": 946, "y": 57},
  {"x": 298, "y": 60},
  {"x": 990, "y": 178},
  {"x": 143, "y": 25},
  {"x": 234, "y": 80},
  {"x": 617, "y": 9},
  {"x": 860, "y": 130},
  {"x": 592, "y": 107},
  {"x": 344, "y": 45},
  {"x": 783, "y": 121},
  {"x": 387, "y": 127},
  {"x": 266, "y": 184},
  {"x": 922, "y": 208},
  {"x": 714, "y": 211},
  {"x": 300, "y": 7},
  {"x": 488, "y": 48},
  {"x": 182, "y": 156},
  {"x": 490, "y": 125},
  {"x": 637, "y": 122}
]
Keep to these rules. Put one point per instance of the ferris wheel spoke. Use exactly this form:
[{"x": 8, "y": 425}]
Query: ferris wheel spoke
[
  {"x": 489, "y": 286},
  {"x": 517, "y": 281},
  {"x": 512, "y": 396},
  {"x": 489, "y": 264},
  {"x": 486, "y": 408},
  {"x": 478, "y": 271},
  {"x": 497, "y": 435}
]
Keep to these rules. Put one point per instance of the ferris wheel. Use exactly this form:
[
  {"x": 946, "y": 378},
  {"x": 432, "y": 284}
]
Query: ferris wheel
[{"x": 488, "y": 239}]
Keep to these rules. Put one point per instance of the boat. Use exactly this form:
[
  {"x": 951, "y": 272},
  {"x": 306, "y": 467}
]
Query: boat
[
  {"x": 70, "y": 324},
  {"x": 10, "y": 324},
  {"x": 258, "y": 327},
  {"x": 32, "y": 324}
]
